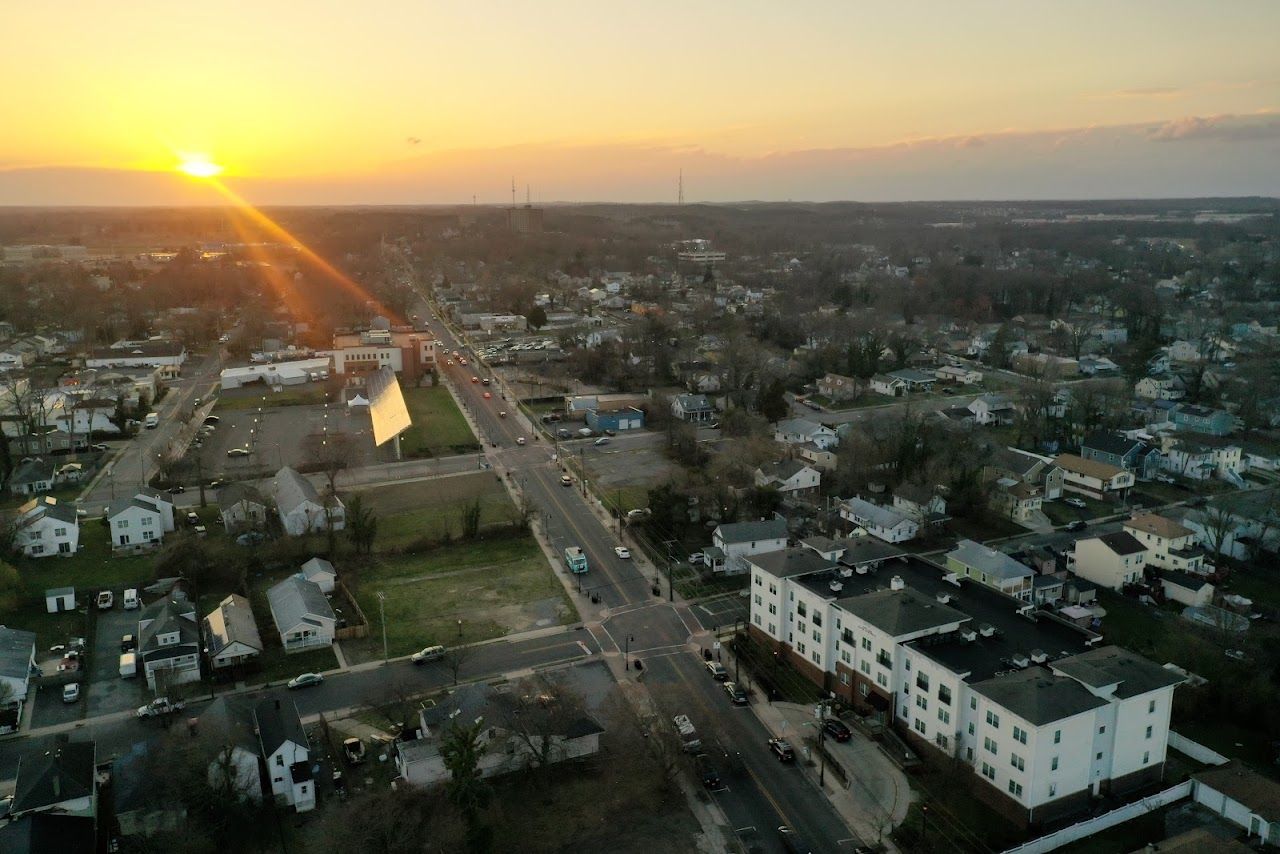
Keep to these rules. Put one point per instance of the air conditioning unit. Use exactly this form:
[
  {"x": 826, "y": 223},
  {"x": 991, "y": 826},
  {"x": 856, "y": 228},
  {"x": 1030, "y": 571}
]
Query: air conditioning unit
[
  {"x": 1038, "y": 656},
  {"x": 986, "y": 630},
  {"x": 1019, "y": 660},
  {"x": 968, "y": 635},
  {"x": 944, "y": 598},
  {"x": 836, "y": 586},
  {"x": 896, "y": 583}
]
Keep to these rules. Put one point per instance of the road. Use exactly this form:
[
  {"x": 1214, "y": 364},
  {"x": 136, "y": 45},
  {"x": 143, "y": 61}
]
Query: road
[{"x": 633, "y": 620}]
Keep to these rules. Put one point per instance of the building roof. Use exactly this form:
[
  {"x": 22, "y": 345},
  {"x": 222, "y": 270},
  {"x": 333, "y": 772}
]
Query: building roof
[
  {"x": 1038, "y": 696},
  {"x": 296, "y": 599},
  {"x": 693, "y": 402},
  {"x": 782, "y": 470},
  {"x": 16, "y": 650},
  {"x": 120, "y": 505},
  {"x": 985, "y": 559},
  {"x": 47, "y": 505},
  {"x": 993, "y": 402},
  {"x": 292, "y": 490},
  {"x": 911, "y": 375},
  {"x": 788, "y": 562},
  {"x": 62, "y": 774},
  {"x": 1185, "y": 580},
  {"x": 801, "y": 427},
  {"x": 901, "y": 612},
  {"x": 1112, "y": 665},
  {"x": 1019, "y": 462},
  {"x": 228, "y": 721},
  {"x": 875, "y": 514},
  {"x": 278, "y": 721},
  {"x": 1122, "y": 543},
  {"x": 864, "y": 550},
  {"x": 750, "y": 532},
  {"x": 1151, "y": 523},
  {"x": 234, "y": 493},
  {"x": 232, "y": 622},
  {"x": 1110, "y": 442},
  {"x": 32, "y": 471},
  {"x": 1261, "y": 795},
  {"x": 172, "y": 614},
  {"x": 317, "y": 566},
  {"x": 1089, "y": 468}
]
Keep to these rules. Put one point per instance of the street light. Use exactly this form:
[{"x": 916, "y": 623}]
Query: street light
[
  {"x": 382, "y": 598},
  {"x": 626, "y": 653}
]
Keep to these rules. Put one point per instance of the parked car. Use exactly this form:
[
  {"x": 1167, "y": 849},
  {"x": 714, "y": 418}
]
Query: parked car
[
  {"x": 475, "y": 379},
  {"x": 717, "y": 671},
  {"x": 128, "y": 643},
  {"x": 71, "y": 692},
  {"x": 519, "y": 440},
  {"x": 102, "y": 449},
  {"x": 177, "y": 489},
  {"x": 193, "y": 518},
  {"x": 305, "y": 680},
  {"x": 485, "y": 381},
  {"x": 622, "y": 552},
  {"x": 697, "y": 559},
  {"x": 431, "y": 653},
  {"x": 1077, "y": 525},
  {"x": 160, "y": 706},
  {"x": 488, "y": 395},
  {"x": 106, "y": 599},
  {"x": 238, "y": 452},
  {"x": 1236, "y": 654},
  {"x": 603, "y": 440},
  {"x": 611, "y": 432},
  {"x": 736, "y": 694},
  {"x": 250, "y": 538},
  {"x": 353, "y": 749},
  {"x": 1075, "y": 502},
  {"x": 638, "y": 513},
  {"x": 707, "y": 771},
  {"x": 835, "y": 728},
  {"x": 565, "y": 480},
  {"x": 131, "y": 600},
  {"x": 502, "y": 414},
  {"x": 782, "y": 749}
]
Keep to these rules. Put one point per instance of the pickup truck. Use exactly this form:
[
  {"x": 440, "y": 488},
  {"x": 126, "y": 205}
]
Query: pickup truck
[{"x": 160, "y": 706}]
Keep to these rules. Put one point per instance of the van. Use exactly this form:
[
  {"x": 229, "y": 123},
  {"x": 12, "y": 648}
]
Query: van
[
  {"x": 131, "y": 599},
  {"x": 152, "y": 421},
  {"x": 128, "y": 665}
]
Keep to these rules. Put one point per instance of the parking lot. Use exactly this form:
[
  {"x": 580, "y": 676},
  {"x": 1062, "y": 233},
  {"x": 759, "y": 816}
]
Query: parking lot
[{"x": 107, "y": 691}]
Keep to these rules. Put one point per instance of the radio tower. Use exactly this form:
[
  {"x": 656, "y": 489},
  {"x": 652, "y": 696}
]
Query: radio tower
[
  {"x": 680, "y": 190},
  {"x": 513, "y": 191}
]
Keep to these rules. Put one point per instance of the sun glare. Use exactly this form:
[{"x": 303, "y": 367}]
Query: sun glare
[{"x": 199, "y": 167}]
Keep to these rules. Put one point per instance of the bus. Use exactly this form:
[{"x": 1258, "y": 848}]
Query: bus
[{"x": 575, "y": 559}]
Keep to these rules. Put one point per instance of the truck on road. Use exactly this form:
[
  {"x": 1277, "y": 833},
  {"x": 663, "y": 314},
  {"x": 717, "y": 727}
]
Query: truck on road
[
  {"x": 152, "y": 421},
  {"x": 575, "y": 559}
]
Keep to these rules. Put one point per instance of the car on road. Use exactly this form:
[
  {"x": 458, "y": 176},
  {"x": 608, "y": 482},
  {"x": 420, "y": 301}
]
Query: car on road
[
  {"x": 238, "y": 452},
  {"x": 71, "y": 692},
  {"x": 485, "y": 381},
  {"x": 102, "y": 449},
  {"x": 160, "y": 706},
  {"x": 565, "y": 480},
  {"x": 488, "y": 395},
  {"x": 431, "y": 653},
  {"x": 782, "y": 749},
  {"x": 611, "y": 432},
  {"x": 353, "y": 749},
  {"x": 1077, "y": 525},
  {"x": 736, "y": 694},
  {"x": 697, "y": 559},
  {"x": 1075, "y": 502},
  {"x": 502, "y": 414},
  {"x": 305, "y": 680},
  {"x": 835, "y": 728},
  {"x": 128, "y": 643},
  {"x": 211, "y": 420},
  {"x": 177, "y": 489},
  {"x": 449, "y": 362},
  {"x": 638, "y": 513},
  {"x": 475, "y": 380},
  {"x": 462, "y": 361},
  {"x": 706, "y": 771},
  {"x": 717, "y": 671},
  {"x": 622, "y": 552},
  {"x": 603, "y": 440},
  {"x": 519, "y": 440},
  {"x": 106, "y": 599}
]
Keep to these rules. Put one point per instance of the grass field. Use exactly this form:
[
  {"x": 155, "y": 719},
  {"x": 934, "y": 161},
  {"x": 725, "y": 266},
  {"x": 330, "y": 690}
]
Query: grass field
[
  {"x": 438, "y": 427},
  {"x": 425, "y": 510},
  {"x": 494, "y": 587}
]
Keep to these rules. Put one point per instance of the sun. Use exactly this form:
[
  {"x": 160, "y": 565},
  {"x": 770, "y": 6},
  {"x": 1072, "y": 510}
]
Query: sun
[{"x": 199, "y": 166}]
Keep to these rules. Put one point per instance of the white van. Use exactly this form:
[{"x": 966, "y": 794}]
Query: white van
[
  {"x": 131, "y": 599},
  {"x": 128, "y": 665},
  {"x": 152, "y": 421}
]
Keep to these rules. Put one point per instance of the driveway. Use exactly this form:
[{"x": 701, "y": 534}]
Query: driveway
[{"x": 107, "y": 691}]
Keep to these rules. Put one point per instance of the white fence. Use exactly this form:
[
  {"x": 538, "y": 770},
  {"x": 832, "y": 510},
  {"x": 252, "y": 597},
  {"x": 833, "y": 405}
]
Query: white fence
[
  {"x": 1100, "y": 823},
  {"x": 1195, "y": 750}
]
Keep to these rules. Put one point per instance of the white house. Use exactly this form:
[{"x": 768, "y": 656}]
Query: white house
[
  {"x": 739, "y": 540},
  {"x": 694, "y": 408},
  {"x": 1110, "y": 561},
  {"x": 17, "y": 659},
  {"x": 321, "y": 572},
  {"x": 302, "y": 614},
  {"x": 301, "y": 508},
  {"x": 798, "y": 431},
  {"x": 884, "y": 523},
  {"x": 1165, "y": 387},
  {"x": 136, "y": 523},
  {"x": 169, "y": 642},
  {"x": 792, "y": 478},
  {"x": 242, "y": 507},
  {"x": 231, "y": 633},
  {"x": 1169, "y": 545},
  {"x": 285, "y": 751},
  {"x": 995, "y": 569},
  {"x": 58, "y": 782},
  {"x": 228, "y": 722},
  {"x": 888, "y": 385},
  {"x": 992, "y": 409},
  {"x": 43, "y": 527},
  {"x": 958, "y": 374},
  {"x": 1194, "y": 591}
]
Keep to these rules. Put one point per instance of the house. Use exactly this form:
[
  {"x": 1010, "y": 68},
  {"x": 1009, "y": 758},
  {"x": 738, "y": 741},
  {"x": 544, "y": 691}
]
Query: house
[
  {"x": 992, "y": 409},
  {"x": 837, "y": 387},
  {"x": 799, "y": 431},
  {"x": 228, "y": 724},
  {"x": 142, "y": 804},
  {"x": 958, "y": 374},
  {"x": 302, "y": 614},
  {"x": 1110, "y": 561},
  {"x": 135, "y": 523},
  {"x": 242, "y": 507},
  {"x": 44, "y": 527},
  {"x": 231, "y": 634},
  {"x": 17, "y": 661},
  {"x": 1092, "y": 478},
  {"x": 992, "y": 568},
  {"x": 169, "y": 642},
  {"x": 55, "y": 800},
  {"x": 558, "y": 736},
  {"x": 301, "y": 508},
  {"x": 913, "y": 380},
  {"x": 1201, "y": 457},
  {"x": 618, "y": 420},
  {"x": 1092, "y": 366},
  {"x": 694, "y": 408},
  {"x": 820, "y": 458},
  {"x": 1243, "y": 797},
  {"x": 884, "y": 523},
  {"x": 1016, "y": 499},
  {"x": 284, "y": 747},
  {"x": 60, "y": 599},
  {"x": 1169, "y": 544},
  {"x": 32, "y": 477},
  {"x": 888, "y": 385},
  {"x": 1116, "y": 449},
  {"x": 792, "y": 478},
  {"x": 1203, "y": 419},
  {"x": 738, "y": 540},
  {"x": 1160, "y": 387},
  {"x": 1023, "y": 466},
  {"x": 1194, "y": 591},
  {"x": 922, "y": 503}
]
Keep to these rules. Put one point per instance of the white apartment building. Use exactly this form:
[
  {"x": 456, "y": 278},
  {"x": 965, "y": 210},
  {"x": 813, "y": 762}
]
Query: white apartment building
[
  {"x": 1045, "y": 721},
  {"x": 1169, "y": 544}
]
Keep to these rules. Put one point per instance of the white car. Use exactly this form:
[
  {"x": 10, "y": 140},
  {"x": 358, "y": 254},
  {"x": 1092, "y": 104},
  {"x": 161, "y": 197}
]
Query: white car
[
  {"x": 622, "y": 552},
  {"x": 106, "y": 599},
  {"x": 1075, "y": 502},
  {"x": 238, "y": 452},
  {"x": 520, "y": 440},
  {"x": 601, "y": 441},
  {"x": 71, "y": 692},
  {"x": 305, "y": 680}
]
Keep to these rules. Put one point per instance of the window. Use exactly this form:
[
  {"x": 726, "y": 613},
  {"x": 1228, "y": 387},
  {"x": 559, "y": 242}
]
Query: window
[
  {"x": 1098, "y": 757},
  {"x": 817, "y": 618},
  {"x": 922, "y": 702},
  {"x": 146, "y": 521},
  {"x": 1151, "y": 707},
  {"x": 1053, "y": 764},
  {"x": 865, "y": 666},
  {"x": 1020, "y": 735},
  {"x": 801, "y": 645},
  {"x": 817, "y": 659},
  {"x": 1015, "y": 789},
  {"x": 1146, "y": 757},
  {"x": 993, "y": 719},
  {"x": 882, "y": 659},
  {"x": 944, "y": 716},
  {"x": 759, "y": 581},
  {"x": 988, "y": 771},
  {"x": 922, "y": 681},
  {"x": 919, "y": 725},
  {"x": 845, "y": 657},
  {"x": 941, "y": 740},
  {"x": 973, "y": 702},
  {"x": 802, "y": 627},
  {"x": 759, "y": 601},
  {"x": 1148, "y": 732},
  {"x": 837, "y": 622},
  {"x": 846, "y": 637},
  {"x": 990, "y": 746},
  {"x": 773, "y": 609},
  {"x": 59, "y": 532},
  {"x": 122, "y": 524},
  {"x": 802, "y": 610},
  {"x": 817, "y": 636},
  {"x": 906, "y": 664},
  {"x": 773, "y": 588},
  {"x": 866, "y": 644},
  {"x": 882, "y": 680},
  {"x": 1057, "y": 736},
  {"x": 944, "y": 695},
  {"x": 773, "y": 628},
  {"x": 1053, "y": 789},
  {"x": 1102, "y": 729},
  {"x": 970, "y": 727},
  {"x": 756, "y": 619},
  {"x": 1017, "y": 762},
  {"x": 864, "y": 689},
  {"x": 279, "y": 760},
  {"x": 844, "y": 678}
]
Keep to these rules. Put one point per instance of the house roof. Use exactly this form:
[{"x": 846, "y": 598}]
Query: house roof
[
  {"x": 1185, "y": 580},
  {"x": 801, "y": 427},
  {"x": 901, "y": 612},
  {"x": 1261, "y": 795},
  {"x": 234, "y": 493},
  {"x": 875, "y": 514},
  {"x": 167, "y": 615},
  {"x": 296, "y": 599},
  {"x": 47, "y": 505},
  {"x": 994, "y": 402},
  {"x": 782, "y": 469},
  {"x": 120, "y": 505},
  {"x": 863, "y": 550},
  {"x": 750, "y": 532},
  {"x": 910, "y": 375},
  {"x": 292, "y": 490},
  {"x": 1110, "y": 442},
  {"x": 1112, "y": 665},
  {"x": 317, "y": 566},
  {"x": 16, "y": 650},
  {"x": 232, "y": 622},
  {"x": 917, "y": 493},
  {"x": 278, "y": 721},
  {"x": 1122, "y": 543},
  {"x": 988, "y": 560},
  {"x": 228, "y": 721},
  {"x": 693, "y": 402},
  {"x": 1151, "y": 523},
  {"x": 1038, "y": 696},
  {"x": 32, "y": 471},
  {"x": 1089, "y": 468},
  {"x": 63, "y": 774},
  {"x": 785, "y": 563}
]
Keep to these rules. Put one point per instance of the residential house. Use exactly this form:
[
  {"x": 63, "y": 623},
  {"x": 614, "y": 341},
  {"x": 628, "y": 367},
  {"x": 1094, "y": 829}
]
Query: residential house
[
  {"x": 44, "y": 527},
  {"x": 1110, "y": 561},
  {"x": 1094, "y": 366},
  {"x": 799, "y": 431},
  {"x": 816, "y": 456},
  {"x": 322, "y": 572},
  {"x": 1116, "y": 449},
  {"x": 1241, "y": 526},
  {"x": 1194, "y": 591},
  {"x": 913, "y": 380},
  {"x": 286, "y": 751},
  {"x": 993, "y": 409},
  {"x": 1201, "y": 457},
  {"x": 884, "y": 523},
  {"x": 242, "y": 508},
  {"x": 739, "y": 540},
  {"x": 838, "y": 388},
  {"x": 559, "y": 737},
  {"x": 1092, "y": 478},
  {"x": 142, "y": 804},
  {"x": 135, "y": 523},
  {"x": 55, "y": 800},
  {"x": 17, "y": 661},
  {"x": 1243, "y": 797},
  {"x": 32, "y": 477},
  {"x": 888, "y": 385},
  {"x": 1161, "y": 387},
  {"x": 301, "y": 508},
  {"x": 922, "y": 503},
  {"x": 792, "y": 478},
  {"x": 694, "y": 408},
  {"x": 1169, "y": 544},
  {"x": 302, "y": 614},
  {"x": 994, "y": 569},
  {"x": 231, "y": 633},
  {"x": 1203, "y": 419},
  {"x": 169, "y": 642},
  {"x": 958, "y": 374},
  {"x": 1034, "y": 470},
  {"x": 1015, "y": 499},
  {"x": 228, "y": 724}
]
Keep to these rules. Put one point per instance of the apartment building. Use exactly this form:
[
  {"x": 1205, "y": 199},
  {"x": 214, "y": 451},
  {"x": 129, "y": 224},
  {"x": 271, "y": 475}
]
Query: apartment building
[
  {"x": 1169, "y": 544},
  {"x": 1018, "y": 694}
]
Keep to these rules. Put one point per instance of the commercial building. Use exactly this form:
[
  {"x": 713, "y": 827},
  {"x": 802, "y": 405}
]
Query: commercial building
[
  {"x": 278, "y": 374},
  {"x": 410, "y": 352}
]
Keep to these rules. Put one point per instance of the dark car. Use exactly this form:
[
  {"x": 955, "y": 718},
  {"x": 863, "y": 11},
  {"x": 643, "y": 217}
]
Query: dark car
[
  {"x": 1077, "y": 525},
  {"x": 707, "y": 772},
  {"x": 736, "y": 694},
  {"x": 835, "y": 728},
  {"x": 782, "y": 749},
  {"x": 177, "y": 490}
]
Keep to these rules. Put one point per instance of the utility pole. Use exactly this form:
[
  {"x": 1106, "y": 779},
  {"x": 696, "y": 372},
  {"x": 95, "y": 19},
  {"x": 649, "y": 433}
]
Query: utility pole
[
  {"x": 626, "y": 652},
  {"x": 382, "y": 610}
]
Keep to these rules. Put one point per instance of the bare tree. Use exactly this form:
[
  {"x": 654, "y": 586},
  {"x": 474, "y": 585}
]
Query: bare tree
[
  {"x": 455, "y": 658},
  {"x": 537, "y": 713}
]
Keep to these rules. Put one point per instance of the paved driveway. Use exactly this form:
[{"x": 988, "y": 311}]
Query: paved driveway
[{"x": 106, "y": 691}]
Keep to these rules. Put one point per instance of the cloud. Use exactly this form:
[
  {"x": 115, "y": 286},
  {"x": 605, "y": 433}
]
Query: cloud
[
  {"x": 413, "y": 140},
  {"x": 1226, "y": 128},
  {"x": 1139, "y": 92}
]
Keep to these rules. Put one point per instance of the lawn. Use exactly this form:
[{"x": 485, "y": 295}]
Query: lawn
[
  {"x": 460, "y": 593},
  {"x": 438, "y": 426},
  {"x": 435, "y": 507},
  {"x": 277, "y": 665},
  {"x": 1060, "y": 512}
]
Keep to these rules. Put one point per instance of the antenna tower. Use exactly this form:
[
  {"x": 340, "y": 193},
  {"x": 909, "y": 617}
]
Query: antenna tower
[{"x": 680, "y": 190}]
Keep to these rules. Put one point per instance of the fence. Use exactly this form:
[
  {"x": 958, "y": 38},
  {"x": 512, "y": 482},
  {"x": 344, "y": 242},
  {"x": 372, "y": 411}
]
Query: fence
[
  {"x": 357, "y": 629},
  {"x": 1195, "y": 750},
  {"x": 1097, "y": 824}
]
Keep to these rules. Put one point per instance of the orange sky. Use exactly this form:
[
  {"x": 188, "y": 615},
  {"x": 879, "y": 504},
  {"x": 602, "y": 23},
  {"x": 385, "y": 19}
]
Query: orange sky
[{"x": 318, "y": 94}]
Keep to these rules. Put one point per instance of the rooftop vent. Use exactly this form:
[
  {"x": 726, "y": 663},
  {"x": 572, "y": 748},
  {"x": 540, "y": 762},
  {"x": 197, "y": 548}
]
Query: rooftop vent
[
  {"x": 896, "y": 583},
  {"x": 1038, "y": 656},
  {"x": 968, "y": 635},
  {"x": 861, "y": 569},
  {"x": 944, "y": 598},
  {"x": 846, "y": 572},
  {"x": 1019, "y": 660},
  {"x": 986, "y": 630},
  {"x": 836, "y": 586}
]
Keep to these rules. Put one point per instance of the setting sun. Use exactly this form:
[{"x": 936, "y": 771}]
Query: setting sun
[{"x": 199, "y": 167}]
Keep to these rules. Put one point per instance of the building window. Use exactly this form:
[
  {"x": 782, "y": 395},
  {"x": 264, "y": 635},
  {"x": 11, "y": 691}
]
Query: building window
[
  {"x": 990, "y": 746},
  {"x": 1017, "y": 762},
  {"x": 922, "y": 702},
  {"x": 941, "y": 740},
  {"x": 802, "y": 610},
  {"x": 970, "y": 727},
  {"x": 993, "y": 719},
  {"x": 1148, "y": 732},
  {"x": 1102, "y": 729},
  {"x": 817, "y": 659},
  {"x": 882, "y": 680},
  {"x": 759, "y": 601},
  {"x": 817, "y": 618},
  {"x": 944, "y": 716},
  {"x": 1053, "y": 764},
  {"x": 919, "y": 725},
  {"x": 1053, "y": 789},
  {"x": 864, "y": 689},
  {"x": 756, "y": 619},
  {"x": 944, "y": 695},
  {"x": 866, "y": 644},
  {"x": 1020, "y": 735},
  {"x": 773, "y": 628},
  {"x": 988, "y": 771},
  {"x": 846, "y": 636},
  {"x": 1146, "y": 757},
  {"x": 973, "y": 702},
  {"x": 759, "y": 581},
  {"x": 802, "y": 647},
  {"x": 1057, "y": 736},
  {"x": 865, "y": 666},
  {"x": 1015, "y": 789},
  {"x": 922, "y": 681},
  {"x": 1098, "y": 757},
  {"x": 844, "y": 678},
  {"x": 773, "y": 609},
  {"x": 845, "y": 657},
  {"x": 1151, "y": 706}
]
